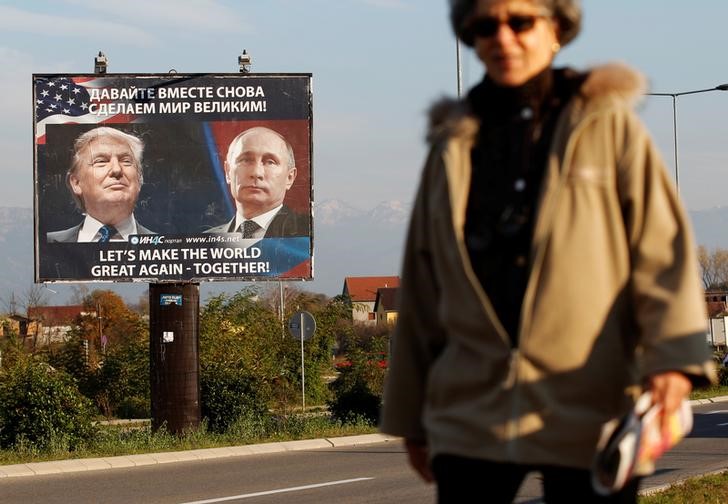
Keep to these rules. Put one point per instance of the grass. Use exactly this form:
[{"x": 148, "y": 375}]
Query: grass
[
  {"x": 707, "y": 393},
  {"x": 114, "y": 440},
  {"x": 130, "y": 439},
  {"x": 712, "y": 489}
]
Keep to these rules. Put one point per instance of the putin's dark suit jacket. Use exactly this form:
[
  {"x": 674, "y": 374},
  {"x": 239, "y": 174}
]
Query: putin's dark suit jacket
[{"x": 286, "y": 223}]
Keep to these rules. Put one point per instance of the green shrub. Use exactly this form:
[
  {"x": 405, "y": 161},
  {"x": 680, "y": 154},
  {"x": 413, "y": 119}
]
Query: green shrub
[
  {"x": 70, "y": 357},
  {"x": 723, "y": 376},
  {"x": 120, "y": 385},
  {"x": 227, "y": 393},
  {"x": 42, "y": 407},
  {"x": 133, "y": 407},
  {"x": 245, "y": 332},
  {"x": 355, "y": 404},
  {"x": 357, "y": 390},
  {"x": 251, "y": 427}
]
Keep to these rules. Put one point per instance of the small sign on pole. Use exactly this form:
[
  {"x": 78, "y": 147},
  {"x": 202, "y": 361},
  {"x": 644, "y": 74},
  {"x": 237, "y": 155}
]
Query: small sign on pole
[
  {"x": 302, "y": 325},
  {"x": 170, "y": 299}
]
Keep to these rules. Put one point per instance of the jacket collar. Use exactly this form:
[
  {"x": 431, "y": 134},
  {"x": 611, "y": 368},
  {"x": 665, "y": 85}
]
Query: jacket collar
[{"x": 451, "y": 117}]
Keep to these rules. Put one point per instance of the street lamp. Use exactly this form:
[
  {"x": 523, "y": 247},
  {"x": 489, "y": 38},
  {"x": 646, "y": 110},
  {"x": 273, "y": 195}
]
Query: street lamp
[
  {"x": 721, "y": 87},
  {"x": 459, "y": 67}
]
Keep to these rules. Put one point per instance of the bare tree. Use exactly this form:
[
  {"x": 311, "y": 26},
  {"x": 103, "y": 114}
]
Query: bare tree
[
  {"x": 79, "y": 293},
  {"x": 34, "y": 296},
  {"x": 273, "y": 294},
  {"x": 10, "y": 303},
  {"x": 142, "y": 305},
  {"x": 714, "y": 267}
]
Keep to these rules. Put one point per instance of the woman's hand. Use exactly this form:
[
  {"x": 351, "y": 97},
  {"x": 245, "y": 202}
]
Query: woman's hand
[
  {"x": 669, "y": 389},
  {"x": 418, "y": 459}
]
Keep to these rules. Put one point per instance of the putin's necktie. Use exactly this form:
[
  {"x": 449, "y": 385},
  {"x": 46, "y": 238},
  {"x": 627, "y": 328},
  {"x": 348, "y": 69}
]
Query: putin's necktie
[{"x": 249, "y": 227}]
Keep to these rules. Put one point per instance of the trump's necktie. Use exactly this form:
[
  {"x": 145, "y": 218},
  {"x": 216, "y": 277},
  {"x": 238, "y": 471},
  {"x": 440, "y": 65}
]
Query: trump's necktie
[
  {"x": 249, "y": 227},
  {"x": 106, "y": 233}
]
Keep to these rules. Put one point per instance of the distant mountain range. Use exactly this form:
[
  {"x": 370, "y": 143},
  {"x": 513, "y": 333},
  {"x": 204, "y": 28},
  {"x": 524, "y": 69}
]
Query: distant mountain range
[
  {"x": 353, "y": 242},
  {"x": 347, "y": 242}
]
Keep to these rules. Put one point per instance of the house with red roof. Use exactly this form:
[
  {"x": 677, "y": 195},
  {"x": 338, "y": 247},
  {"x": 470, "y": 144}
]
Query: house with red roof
[
  {"x": 16, "y": 324},
  {"x": 54, "y": 322},
  {"x": 363, "y": 294},
  {"x": 385, "y": 306},
  {"x": 717, "y": 302}
]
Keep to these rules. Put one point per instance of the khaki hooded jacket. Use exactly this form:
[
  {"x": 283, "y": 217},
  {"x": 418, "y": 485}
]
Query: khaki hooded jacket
[{"x": 613, "y": 296}]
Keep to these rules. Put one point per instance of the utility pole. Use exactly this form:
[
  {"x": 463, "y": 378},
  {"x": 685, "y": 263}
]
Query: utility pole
[
  {"x": 101, "y": 336},
  {"x": 459, "y": 67},
  {"x": 720, "y": 87},
  {"x": 281, "y": 310}
]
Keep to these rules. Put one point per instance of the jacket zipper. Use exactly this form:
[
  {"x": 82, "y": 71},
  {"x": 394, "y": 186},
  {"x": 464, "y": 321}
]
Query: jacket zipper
[
  {"x": 524, "y": 326},
  {"x": 512, "y": 422},
  {"x": 512, "y": 429}
]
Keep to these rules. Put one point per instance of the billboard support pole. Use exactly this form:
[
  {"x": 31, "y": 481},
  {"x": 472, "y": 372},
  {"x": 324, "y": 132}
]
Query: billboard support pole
[{"x": 174, "y": 310}]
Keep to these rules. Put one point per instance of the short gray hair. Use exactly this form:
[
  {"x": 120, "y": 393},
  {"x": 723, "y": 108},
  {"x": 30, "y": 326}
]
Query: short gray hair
[
  {"x": 567, "y": 14},
  {"x": 84, "y": 140},
  {"x": 289, "y": 147}
]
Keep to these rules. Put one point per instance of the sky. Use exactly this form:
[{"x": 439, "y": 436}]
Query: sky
[{"x": 377, "y": 65}]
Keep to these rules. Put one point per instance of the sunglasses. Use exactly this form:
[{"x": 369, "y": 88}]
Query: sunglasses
[{"x": 488, "y": 26}]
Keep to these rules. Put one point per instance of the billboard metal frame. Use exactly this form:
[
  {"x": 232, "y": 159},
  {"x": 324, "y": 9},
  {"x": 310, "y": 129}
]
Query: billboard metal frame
[{"x": 186, "y": 123}]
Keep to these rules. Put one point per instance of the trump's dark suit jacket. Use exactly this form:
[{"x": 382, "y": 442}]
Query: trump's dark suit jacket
[{"x": 70, "y": 235}]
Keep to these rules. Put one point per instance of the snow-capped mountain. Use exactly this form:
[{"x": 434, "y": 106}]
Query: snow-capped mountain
[{"x": 347, "y": 242}]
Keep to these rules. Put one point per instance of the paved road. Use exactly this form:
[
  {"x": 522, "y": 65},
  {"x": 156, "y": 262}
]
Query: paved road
[
  {"x": 375, "y": 473},
  {"x": 358, "y": 470},
  {"x": 704, "y": 451}
]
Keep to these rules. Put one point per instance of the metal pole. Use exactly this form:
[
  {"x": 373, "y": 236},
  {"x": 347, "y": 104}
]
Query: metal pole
[
  {"x": 98, "y": 317},
  {"x": 459, "y": 67},
  {"x": 303, "y": 368},
  {"x": 280, "y": 309},
  {"x": 721, "y": 87},
  {"x": 674, "y": 136}
]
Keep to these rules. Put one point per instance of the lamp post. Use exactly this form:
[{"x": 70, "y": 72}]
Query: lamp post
[
  {"x": 458, "y": 60},
  {"x": 721, "y": 87}
]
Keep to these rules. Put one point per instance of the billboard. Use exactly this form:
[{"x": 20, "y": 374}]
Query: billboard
[{"x": 173, "y": 178}]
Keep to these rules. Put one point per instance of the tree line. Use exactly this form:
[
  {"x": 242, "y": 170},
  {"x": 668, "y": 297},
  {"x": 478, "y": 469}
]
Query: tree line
[{"x": 249, "y": 364}]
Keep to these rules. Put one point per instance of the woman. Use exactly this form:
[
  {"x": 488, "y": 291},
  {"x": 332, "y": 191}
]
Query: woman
[{"x": 549, "y": 272}]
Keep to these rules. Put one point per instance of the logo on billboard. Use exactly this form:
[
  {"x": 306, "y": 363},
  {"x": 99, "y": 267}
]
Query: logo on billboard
[{"x": 147, "y": 240}]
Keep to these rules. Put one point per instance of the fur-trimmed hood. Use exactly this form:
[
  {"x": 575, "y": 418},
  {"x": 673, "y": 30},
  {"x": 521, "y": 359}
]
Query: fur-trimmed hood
[{"x": 449, "y": 116}]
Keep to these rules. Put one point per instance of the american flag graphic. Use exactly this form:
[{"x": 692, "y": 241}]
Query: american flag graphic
[
  {"x": 60, "y": 96},
  {"x": 64, "y": 100}
]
